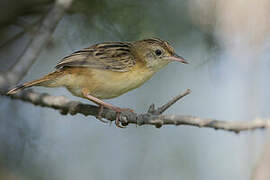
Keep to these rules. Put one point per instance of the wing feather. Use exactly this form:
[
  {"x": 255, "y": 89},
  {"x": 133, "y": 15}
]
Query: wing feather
[{"x": 114, "y": 56}]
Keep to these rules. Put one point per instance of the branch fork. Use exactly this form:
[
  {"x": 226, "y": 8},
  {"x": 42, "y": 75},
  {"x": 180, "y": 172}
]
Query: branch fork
[{"x": 156, "y": 120}]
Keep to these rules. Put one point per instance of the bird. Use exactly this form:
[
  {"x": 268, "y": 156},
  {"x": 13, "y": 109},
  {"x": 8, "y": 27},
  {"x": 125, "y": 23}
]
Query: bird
[{"x": 108, "y": 70}]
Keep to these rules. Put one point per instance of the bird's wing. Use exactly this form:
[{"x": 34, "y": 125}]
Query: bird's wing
[{"x": 114, "y": 56}]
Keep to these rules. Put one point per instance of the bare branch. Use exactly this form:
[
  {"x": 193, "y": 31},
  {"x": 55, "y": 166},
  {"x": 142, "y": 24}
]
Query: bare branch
[
  {"x": 173, "y": 101},
  {"x": 26, "y": 29},
  {"x": 236, "y": 126},
  {"x": 163, "y": 108},
  {"x": 73, "y": 107},
  {"x": 38, "y": 41}
]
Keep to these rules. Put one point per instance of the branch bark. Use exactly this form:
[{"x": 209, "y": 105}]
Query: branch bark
[{"x": 67, "y": 106}]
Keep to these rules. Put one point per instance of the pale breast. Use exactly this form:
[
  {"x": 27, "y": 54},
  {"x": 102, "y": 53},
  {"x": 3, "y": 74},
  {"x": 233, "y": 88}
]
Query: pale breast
[
  {"x": 107, "y": 84},
  {"x": 114, "y": 84}
]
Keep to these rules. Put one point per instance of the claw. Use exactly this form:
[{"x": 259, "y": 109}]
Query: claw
[
  {"x": 117, "y": 118},
  {"x": 117, "y": 121},
  {"x": 118, "y": 112}
]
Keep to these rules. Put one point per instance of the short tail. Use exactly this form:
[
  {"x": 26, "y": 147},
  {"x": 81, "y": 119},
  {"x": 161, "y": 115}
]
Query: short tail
[
  {"x": 44, "y": 81},
  {"x": 25, "y": 85}
]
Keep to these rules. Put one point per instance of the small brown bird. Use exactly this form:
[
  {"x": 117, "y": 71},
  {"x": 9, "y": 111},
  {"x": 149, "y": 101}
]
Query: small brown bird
[{"x": 108, "y": 70}]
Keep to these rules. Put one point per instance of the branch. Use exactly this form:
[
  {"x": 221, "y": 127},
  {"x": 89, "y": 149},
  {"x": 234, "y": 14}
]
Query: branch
[
  {"x": 163, "y": 108},
  {"x": 67, "y": 106},
  {"x": 29, "y": 28},
  {"x": 37, "y": 42}
]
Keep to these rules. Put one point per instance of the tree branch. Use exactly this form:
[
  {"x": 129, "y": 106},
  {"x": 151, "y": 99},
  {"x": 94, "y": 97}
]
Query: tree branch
[
  {"x": 38, "y": 41},
  {"x": 163, "y": 108},
  {"x": 73, "y": 107}
]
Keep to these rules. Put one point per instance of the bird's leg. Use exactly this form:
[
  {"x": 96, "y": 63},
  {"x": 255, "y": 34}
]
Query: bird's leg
[
  {"x": 101, "y": 107},
  {"x": 118, "y": 110}
]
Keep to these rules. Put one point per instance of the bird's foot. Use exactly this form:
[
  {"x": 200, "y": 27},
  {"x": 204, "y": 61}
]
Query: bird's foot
[
  {"x": 118, "y": 111},
  {"x": 100, "y": 111},
  {"x": 103, "y": 104}
]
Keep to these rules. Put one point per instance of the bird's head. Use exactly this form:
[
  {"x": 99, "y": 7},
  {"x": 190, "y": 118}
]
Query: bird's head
[{"x": 156, "y": 53}]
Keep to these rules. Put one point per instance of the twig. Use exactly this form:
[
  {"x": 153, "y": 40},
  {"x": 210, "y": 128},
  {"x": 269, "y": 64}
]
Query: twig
[
  {"x": 163, "y": 108},
  {"x": 37, "y": 43},
  {"x": 171, "y": 102},
  {"x": 236, "y": 126},
  {"x": 27, "y": 28},
  {"x": 73, "y": 107}
]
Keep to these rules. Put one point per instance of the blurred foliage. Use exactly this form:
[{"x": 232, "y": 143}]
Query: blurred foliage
[
  {"x": 113, "y": 20},
  {"x": 11, "y": 10},
  {"x": 124, "y": 19},
  {"x": 128, "y": 20}
]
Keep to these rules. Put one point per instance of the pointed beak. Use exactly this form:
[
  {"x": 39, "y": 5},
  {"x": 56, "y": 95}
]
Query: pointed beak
[{"x": 178, "y": 58}]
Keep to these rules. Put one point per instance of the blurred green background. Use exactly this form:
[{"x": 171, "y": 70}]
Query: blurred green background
[{"x": 228, "y": 53}]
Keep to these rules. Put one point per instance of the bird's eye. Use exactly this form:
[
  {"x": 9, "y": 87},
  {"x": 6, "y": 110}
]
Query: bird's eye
[{"x": 158, "y": 52}]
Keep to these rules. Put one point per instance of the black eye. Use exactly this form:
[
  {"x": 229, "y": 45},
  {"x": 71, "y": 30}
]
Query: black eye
[{"x": 158, "y": 52}]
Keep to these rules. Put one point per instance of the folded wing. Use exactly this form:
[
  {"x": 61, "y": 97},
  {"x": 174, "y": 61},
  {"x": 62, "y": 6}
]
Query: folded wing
[{"x": 114, "y": 56}]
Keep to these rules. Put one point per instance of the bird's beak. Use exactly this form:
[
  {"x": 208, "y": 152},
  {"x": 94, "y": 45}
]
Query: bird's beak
[{"x": 178, "y": 58}]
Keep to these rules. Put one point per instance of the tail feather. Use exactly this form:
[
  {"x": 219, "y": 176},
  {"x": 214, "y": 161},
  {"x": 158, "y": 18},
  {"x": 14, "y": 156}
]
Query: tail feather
[
  {"x": 44, "y": 81},
  {"x": 16, "y": 89},
  {"x": 25, "y": 85}
]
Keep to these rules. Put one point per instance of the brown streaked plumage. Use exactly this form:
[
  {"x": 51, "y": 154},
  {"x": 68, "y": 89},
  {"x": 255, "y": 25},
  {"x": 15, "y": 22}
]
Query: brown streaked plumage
[{"x": 107, "y": 70}]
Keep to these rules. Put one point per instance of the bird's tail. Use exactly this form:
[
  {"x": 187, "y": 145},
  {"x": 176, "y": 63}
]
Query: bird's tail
[{"x": 49, "y": 80}]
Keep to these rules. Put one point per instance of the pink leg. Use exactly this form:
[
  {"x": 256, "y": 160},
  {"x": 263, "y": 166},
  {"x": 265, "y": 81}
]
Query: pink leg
[
  {"x": 99, "y": 114},
  {"x": 107, "y": 105}
]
